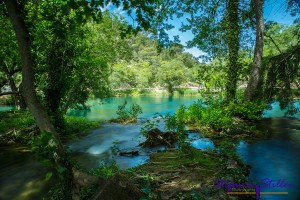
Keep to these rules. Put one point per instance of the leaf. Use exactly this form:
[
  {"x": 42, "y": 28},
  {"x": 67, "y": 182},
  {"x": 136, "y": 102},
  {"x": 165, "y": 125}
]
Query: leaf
[{"x": 48, "y": 176}]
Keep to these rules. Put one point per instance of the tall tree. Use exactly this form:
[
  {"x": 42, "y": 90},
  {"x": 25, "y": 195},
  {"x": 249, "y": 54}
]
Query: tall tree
[
  {"x": 217, "y": 26},
  {"x": 232, "y": 40},
  {"x": 253, "y": 87},
  {"x": 17, "y": 17}
]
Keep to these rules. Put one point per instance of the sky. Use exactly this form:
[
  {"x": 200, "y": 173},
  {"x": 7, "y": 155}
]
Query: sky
[{"x": 274, "y": 10}]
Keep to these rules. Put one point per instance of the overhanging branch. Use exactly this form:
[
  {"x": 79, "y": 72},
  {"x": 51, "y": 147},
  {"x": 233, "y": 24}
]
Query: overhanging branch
[{"x": 8, "y": 93}]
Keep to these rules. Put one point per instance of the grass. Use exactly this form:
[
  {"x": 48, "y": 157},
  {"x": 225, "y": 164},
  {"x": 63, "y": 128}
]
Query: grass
[
  {"x": 21, "y": 127},
  {"x": 76, "y": 127},
  {"x": 15, "y": 119}
]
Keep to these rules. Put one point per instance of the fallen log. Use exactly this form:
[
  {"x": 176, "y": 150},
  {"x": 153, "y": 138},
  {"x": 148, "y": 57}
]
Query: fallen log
[{"x": 129, "y": 153}]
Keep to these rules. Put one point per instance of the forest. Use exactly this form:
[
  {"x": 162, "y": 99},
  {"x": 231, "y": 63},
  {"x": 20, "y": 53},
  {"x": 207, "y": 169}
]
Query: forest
[{"x": 105, "y": 99}]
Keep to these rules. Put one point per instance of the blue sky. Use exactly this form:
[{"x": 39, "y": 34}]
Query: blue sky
[{"x": 274, "y": 10}]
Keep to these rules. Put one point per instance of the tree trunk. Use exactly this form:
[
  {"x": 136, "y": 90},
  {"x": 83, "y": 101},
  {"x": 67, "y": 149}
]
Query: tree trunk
[
  {"x": 252, "y": 90},
  {"x": 28, "y": 88},
  {"x": 19, "y": 101},
  {"x": 232, "y": 40}
]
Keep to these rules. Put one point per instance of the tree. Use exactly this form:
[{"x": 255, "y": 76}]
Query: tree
[
  {"x": 17, "y": 15},
  {"x": 18, "y": 99},
  {"x": 252, "y": 90},
  {"x": 9, "y": 61},
  {"x": 218, "y": 26},
  {"x": 74, "y": 57},
  {"x": 171, "y": 74},
  {"x": 281, "y": 63},
  {"x": 232, "y": 40}
]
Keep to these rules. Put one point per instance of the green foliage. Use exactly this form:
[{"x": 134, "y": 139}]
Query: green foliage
[
  {"x": 245, "y": 110},
  {"x": 106, "y": 170},
  {"x": 150, "y": 124},
  {"x": 149, "y": 67},
  {"x": 43, "y": 146},
  {"x": 128, "y": 115},
  {"x": 281, "y": 63},
  {"x": 9, "y": 101},
  {"x": 169, "y": 123},
  {"x": 135, "y": 110},
  {"x": 76, "y": 125},
  {"x": 87, "y": 192},
  {"x": 209, "y": 113},
  {"x": 58, "y": 192},
  {"x": 15, "y": 120}
]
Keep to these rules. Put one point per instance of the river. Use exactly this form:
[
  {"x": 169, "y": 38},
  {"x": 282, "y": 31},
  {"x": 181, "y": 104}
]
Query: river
[{"x": 275, "y": 157}]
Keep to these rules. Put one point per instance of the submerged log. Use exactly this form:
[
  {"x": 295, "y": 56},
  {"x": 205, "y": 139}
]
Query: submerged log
[
  {"x": 155, "y": 137},
  {"x": 129, "y": 153}
]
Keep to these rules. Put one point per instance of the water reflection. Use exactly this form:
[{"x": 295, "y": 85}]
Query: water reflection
[
  {"x": 277, "y": 112},
  {"x": 149, "y": 104},
  {"x": 277, "y": 157},
  {"x": 21, "y": 176}
]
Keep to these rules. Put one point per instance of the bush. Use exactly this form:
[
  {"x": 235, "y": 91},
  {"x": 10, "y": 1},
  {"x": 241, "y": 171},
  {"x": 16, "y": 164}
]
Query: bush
[
  {"x": 106, "y": 170},
  {"x": 209, "y": 114},
  {"x": 15, "y": 120},
  {"x": 245, "y": 110},
  {"x": 78, "y": 124},
  {"x": 76, "y": 127},
  {"x": 127, "y": 115}
]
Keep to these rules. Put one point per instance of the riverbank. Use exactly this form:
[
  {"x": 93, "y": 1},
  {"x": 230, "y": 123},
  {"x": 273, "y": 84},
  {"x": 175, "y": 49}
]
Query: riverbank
[
  {"x": 190, "y": 91},
  {"x": 187, "y": 174},
  {"x": 18, "y": 128}
]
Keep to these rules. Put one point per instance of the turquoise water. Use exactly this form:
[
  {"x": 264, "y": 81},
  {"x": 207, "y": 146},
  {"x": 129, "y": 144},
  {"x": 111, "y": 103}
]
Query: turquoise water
[
  {"x": 6, "y": 108},
  {"x": 274, "y": 157},
  {"x": 150, "y": 105},
  {"x": 276, "y": 112}
]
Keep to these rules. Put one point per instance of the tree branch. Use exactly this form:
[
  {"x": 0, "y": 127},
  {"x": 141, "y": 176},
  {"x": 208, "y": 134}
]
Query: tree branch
[
  {"x": 9, "y": 93},
  {"x": 11, "y": 73},
  {"x": 272, "y": 40}
]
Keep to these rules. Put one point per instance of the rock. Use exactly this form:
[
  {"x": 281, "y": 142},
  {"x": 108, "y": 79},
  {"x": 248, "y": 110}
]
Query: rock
[{"x": 155, "y": 137}]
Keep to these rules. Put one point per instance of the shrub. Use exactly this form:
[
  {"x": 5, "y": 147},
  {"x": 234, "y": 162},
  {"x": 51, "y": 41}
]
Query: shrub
[
  {"x": 127, "y": 115},
  {"x": 245, "y": 110},
  {"x": 15, "y": 120},
  {"x": 209, "y": 114},
  {"x": 76, "y": 125}
]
